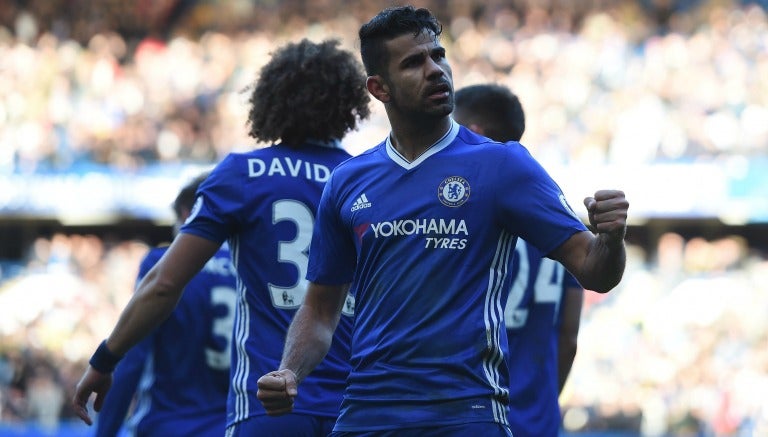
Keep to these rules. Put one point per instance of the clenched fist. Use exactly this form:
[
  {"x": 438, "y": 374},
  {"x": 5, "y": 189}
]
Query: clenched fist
[{"x": 608, "y": 214}]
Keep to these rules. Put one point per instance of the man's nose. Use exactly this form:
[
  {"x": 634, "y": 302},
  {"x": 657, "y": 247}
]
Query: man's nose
[{"x": 433, "y": 69}]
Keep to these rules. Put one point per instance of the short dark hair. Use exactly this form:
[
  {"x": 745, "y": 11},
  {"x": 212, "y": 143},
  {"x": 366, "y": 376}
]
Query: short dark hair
[
  {"x": 308, "y": 91},
  {"x": 186, "y": 197},
  {"x": 494, "y": 108},
  {"x": 389, "y": 24}
]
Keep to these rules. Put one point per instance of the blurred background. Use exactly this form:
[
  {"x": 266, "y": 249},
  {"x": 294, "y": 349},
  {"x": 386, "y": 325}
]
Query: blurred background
[{"x": 108, "y": 107}]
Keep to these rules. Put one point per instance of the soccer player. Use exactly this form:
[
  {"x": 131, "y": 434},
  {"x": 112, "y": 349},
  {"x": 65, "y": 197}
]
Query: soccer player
[
  {"x": 543, "y": 310},
  {"x": 308, "y": 96},
  {"x": 423, "y": 226},
  {"x": 179, "y": 374}
]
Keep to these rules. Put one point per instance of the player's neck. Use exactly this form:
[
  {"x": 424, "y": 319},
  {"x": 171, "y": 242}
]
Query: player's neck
[{"x": 411, "y": 140}]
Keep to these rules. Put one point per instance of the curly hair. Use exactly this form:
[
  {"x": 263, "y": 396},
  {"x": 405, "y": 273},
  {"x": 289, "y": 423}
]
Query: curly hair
[
  {"x": 308, "y": 91},
  {"x": 389, "y": 24}
]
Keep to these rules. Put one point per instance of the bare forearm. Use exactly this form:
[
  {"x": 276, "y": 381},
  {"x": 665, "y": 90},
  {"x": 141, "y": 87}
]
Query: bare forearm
[
  {"x": 146, "y": 310},
  {"x": 311, "y": 331},
  {"x": 307, "y": 342},
  {"x": 604, "y": 265},
  {"x": 160, "y": 290}
]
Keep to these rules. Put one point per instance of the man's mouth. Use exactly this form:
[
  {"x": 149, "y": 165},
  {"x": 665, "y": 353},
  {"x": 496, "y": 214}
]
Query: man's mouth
[{"x": 441, "y": 91}]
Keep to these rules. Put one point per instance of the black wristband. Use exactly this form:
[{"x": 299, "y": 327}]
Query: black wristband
[{"x": 103, "y": 359}]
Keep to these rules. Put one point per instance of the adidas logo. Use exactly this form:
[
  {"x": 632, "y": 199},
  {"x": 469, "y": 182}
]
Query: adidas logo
[{"x": 361, "y": 202}]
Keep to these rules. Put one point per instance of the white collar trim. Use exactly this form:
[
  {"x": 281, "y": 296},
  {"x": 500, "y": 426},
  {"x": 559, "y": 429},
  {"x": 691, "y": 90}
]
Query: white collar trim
[{"x": 439, "y": 145}]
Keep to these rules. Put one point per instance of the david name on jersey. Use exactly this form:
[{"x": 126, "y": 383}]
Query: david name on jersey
[{"x": 288, "y": 167}]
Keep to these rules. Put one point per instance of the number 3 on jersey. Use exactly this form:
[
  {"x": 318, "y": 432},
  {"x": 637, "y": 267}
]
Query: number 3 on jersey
[
  {"x": 296, "y": 252},
  {"x": 222, "y": 326},
  {"x": 547, "y": 286}
]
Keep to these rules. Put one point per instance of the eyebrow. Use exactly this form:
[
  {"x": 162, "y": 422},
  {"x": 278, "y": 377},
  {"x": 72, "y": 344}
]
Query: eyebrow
[
  {"x": 420, "y": 55},
  {"x": 414, "y": 57}
]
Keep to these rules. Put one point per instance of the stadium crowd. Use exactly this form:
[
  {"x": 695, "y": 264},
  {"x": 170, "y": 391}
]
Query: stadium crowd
[
  {"x": 698, "y": 83},
  {"x": 70, "y": 289},
  {"x": 678, "y": 347}
]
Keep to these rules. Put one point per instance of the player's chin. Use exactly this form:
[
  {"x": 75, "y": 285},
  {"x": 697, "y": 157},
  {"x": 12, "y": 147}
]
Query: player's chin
[{"x": 441, "y": 108}]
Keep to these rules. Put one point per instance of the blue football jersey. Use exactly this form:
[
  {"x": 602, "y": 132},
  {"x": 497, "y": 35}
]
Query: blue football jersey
[
  {"x": 179, "y": 374},
  {"x": 428, "y": 247},
  {"x": 533, "y": 319},
  {"x": 264, "y": 203}
]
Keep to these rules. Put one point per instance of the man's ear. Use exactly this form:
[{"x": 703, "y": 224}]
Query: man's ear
[{"x": 378, "y": 89}]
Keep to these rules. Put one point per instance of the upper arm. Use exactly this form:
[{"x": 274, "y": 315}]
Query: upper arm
[
  {"x": 181, "y": 262},
  {"x": 326, "y": 301},
  {"x": 332, "y": 254},
  {"x": 534, "y": 207}
]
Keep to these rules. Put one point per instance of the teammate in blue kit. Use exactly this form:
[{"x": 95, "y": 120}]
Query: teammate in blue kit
[
  {"x": 543, "y": 310},
  {"x": 263, "y": 203},
  {"x": 179, "y": 374},
  {"x": 423, "y": 228}
]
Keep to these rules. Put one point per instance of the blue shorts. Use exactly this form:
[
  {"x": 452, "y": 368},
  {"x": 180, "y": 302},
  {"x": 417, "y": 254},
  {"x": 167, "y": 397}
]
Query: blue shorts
[
  {"x": 288, "y": 425},
  {"x": 484, "y": 429}
]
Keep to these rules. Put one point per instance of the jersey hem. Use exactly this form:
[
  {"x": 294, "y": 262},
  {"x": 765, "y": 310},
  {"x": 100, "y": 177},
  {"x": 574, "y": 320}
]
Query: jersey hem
[
  {"x": 389, "y": 427},
  {"x": 299, "y": 412}
]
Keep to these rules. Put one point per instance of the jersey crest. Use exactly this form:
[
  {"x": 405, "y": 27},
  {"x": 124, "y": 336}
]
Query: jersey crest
[{"x": 453, "y": 191}]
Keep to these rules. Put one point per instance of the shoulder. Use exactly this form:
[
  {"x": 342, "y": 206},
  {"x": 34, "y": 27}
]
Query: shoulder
[
  {"x": 238, "y": 159},
  {"x": 228, "y": 175},
  {"x": 354, "y": 164},
  {"x": 506, "y": 160},
  {"x": 277, "y": 156},
  {"x": 226, "y": 168},
  {"x": 479, "y": 144},
  {"x": 335, "y": 156},
  {"x": 470, "y": 137},
  {"x": 234, "y": 157}
]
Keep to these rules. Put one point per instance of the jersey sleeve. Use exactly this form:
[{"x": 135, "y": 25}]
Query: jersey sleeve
[
  {"x": 332, "y": 253},
  {"x": 219, "y": 200},
  {"x": 534, "y": 208}
]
